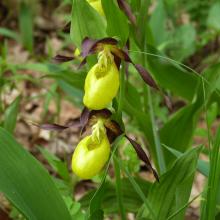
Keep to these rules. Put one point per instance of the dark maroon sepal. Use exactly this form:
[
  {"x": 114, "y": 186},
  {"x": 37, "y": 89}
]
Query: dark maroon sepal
[
  {"x": 61, "y": 59},
  {"x": 91, "y": 46},
  {"x": 143, "y": 156},
  {"x": 52, "y": 127},
  {"x": 145, "y": 75}
]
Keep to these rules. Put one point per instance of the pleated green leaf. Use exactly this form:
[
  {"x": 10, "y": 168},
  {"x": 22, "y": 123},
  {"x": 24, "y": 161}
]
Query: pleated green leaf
[{"x": 173, "y": 190}]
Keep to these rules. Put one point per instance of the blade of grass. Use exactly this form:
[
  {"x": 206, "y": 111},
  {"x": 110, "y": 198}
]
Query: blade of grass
[
  {"x": 9, "y": 33},
  {"x": 26, "y": 25},
  {"x": 206, "y": 119},
  {"x": 202, "y": 166},
  {"x": 58, "y": 165},
  {"x": 158, "y": 148},
  {"x": 172, "y": 61},
  {"x": 159, "y": 152},
  {"x": 11, "y": 115},
  {"x": 209, "y": 207},
  {"x": 182, "y": 208}
]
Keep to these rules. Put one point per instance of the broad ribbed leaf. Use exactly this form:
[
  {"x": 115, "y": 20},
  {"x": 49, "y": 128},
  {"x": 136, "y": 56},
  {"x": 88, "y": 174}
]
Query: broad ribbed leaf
[
  {"x": 27, "y": 184},
  {"x": 211, "y": 193},
  {"x": 173, "y": 190},
  {"x": 214, "y": 16},
  {"x": 158, "y": 23},
  {"x": 178, "y": 131}
]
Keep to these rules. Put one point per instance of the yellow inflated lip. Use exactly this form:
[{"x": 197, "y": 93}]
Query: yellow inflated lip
[
  {"x": 102, "y": 82},
  {"x": 89, "y": 158}
]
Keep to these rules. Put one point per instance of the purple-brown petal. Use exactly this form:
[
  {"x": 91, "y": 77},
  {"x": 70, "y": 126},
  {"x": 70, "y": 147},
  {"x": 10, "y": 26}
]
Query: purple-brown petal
[
  {"x": 52, "y": 127},
  {"x": 61, "y": 59},
  {"x": 87, "y": 45},
  {"x": 90, "y": 46},
  {"x": 146, "y": 76},
  {"x": 84, "y": 118},
  {"x": 143, "y": 156}
]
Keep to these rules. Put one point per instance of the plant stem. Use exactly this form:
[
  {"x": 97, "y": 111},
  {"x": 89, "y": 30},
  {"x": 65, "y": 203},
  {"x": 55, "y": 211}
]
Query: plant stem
[
  {"x": 137, "y": 188},
  {"x": 116, "y": 165},
  {"x": 180, "y": 209},
  {"x": 159, "y": 152},
  {"x": 121, "y": 93},
  {"x": 119, "y": 188},
  {"x": 158, "y": 148}
]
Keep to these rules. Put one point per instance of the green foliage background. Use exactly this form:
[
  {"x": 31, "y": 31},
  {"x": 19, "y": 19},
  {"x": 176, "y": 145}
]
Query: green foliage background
[{"x": 165, "y": 39}]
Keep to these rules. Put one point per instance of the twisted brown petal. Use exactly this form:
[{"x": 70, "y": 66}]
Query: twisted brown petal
[{"x": 143, "y": 156}]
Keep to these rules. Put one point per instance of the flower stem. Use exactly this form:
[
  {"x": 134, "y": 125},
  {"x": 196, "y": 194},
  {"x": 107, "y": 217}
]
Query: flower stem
[{"x": 119, "y": 188}]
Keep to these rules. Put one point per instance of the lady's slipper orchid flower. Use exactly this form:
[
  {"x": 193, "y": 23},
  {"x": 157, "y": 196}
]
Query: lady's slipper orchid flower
[
  {"x": 91, "y": 153},
  {"x": 102, "y": 82}
]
